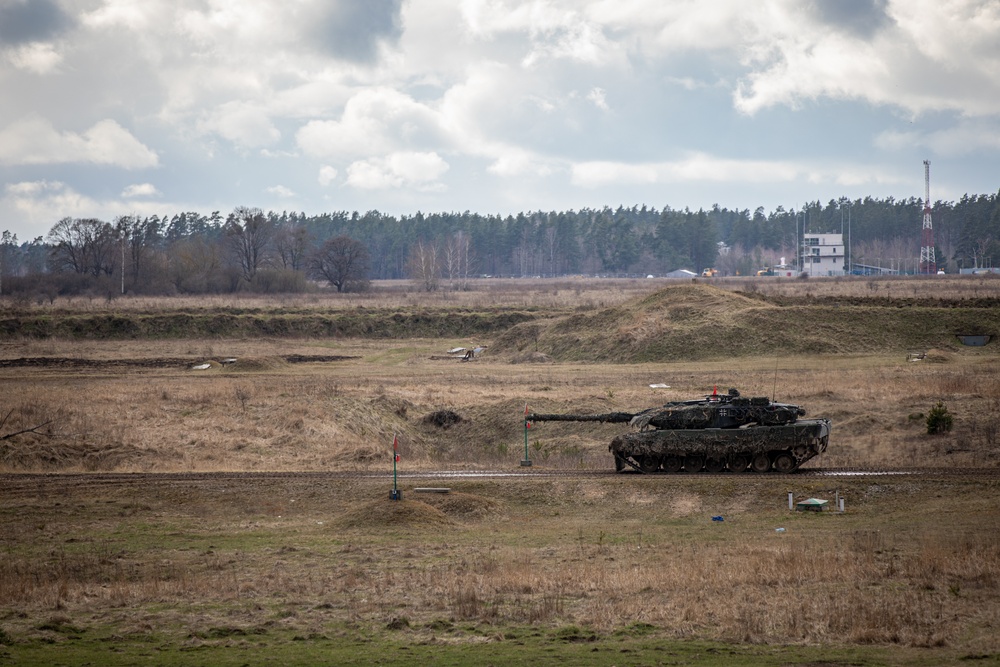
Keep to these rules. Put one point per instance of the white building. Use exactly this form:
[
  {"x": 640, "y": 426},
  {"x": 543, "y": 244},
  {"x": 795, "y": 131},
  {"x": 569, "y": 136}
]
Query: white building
[{"x": 823, "y": 254}]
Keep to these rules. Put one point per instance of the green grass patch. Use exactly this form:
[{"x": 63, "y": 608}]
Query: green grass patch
[{"x": 345, "y": 645}]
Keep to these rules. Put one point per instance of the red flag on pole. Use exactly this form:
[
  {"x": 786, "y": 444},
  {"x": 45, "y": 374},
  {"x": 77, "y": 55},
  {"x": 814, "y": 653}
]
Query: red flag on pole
[
  {"x": 527, "y": 424},
  {"x": 395, "y": 448}
]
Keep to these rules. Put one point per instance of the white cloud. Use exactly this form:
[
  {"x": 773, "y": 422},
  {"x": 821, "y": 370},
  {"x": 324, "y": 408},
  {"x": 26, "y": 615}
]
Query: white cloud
[
  {"x": 399, "y": 170},
  {"x": 512, "y": 162},
  {"x": 599, "y": 98},
  {"x": 280, "y": 191},
  {"x": 509, "y": 89},
  {"x": 37, "y": 205},
  {"x": 132, "y": 14},
  {"x": 47, "y": 201},
  {"x": 33, "y": 140},
  {"x": 36, "y": 57},
  {"x": 374, "y": 121},
  {"x": 242, "y": 123},
  {"x": 140, "y": 190},
  {"x": 927, "y": 56},
  {"x": 327, "y": 175},
  {"x": 488, "y": 18},
  {"x": 700, "y": 168},
  {"x": 966, "y": 137}
]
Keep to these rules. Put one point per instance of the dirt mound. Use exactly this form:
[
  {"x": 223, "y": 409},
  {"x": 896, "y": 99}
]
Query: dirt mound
[
  {"x": 706, "y": 298},
  {"x": 443, "y": 418},
  {"x": 935, "y": 356},
  {"x": 681, "y": 321},
  {"x": 464, "y": 506},
  {"x": 316, "y": 358},
  {"x": 700, "y": 322},
  {"x": 37, "y": 456},
  {"x": 255, "y": 364},
  {"x": 75, "y": 362},
  {"x": 385, "y": 513},
  {"x": 532, "y": 358}
]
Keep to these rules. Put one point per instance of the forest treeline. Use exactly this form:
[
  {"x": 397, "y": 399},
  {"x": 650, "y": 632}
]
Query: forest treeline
[{"x": 252, "y": 250}]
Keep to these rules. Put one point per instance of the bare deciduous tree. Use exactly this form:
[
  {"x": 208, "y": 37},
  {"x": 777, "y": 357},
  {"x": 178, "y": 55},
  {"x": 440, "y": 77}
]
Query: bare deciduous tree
[
  {"x": 343, "y": 262},
  {"x": 196, "y": 265},
  {"x": 83, "y": 246},
  {"x": 249, "y": 233},
  {"x": 457, "y": 260},
  {"x": 139, "y": 236},
  {"x": 292, "y": 242},
  {"x": 424, "y": 266}
]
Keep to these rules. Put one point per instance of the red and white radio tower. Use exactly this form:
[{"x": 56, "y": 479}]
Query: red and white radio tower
[{"x": 927, "y": 263}]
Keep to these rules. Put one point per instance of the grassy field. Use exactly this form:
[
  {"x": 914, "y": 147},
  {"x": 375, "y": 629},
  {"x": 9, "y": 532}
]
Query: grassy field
[
  {"x": 616, "y": 570},
  {"x": 220, "y": 568}
]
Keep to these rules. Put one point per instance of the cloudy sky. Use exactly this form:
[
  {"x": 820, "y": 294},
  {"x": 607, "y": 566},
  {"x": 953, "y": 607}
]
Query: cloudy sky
[{"x": 111, "y": 107}]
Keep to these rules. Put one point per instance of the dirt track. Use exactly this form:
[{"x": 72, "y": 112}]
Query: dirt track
[
  {"x": 30, "y": 484},
  {"x": 156, "y": 362}
]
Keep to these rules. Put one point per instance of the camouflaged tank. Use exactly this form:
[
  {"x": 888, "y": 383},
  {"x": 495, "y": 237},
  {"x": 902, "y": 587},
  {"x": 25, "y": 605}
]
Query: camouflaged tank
[{"x": 715, "y": 433}]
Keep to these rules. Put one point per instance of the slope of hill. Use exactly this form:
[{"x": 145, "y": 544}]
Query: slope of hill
[{"x": 695, "y": 321}]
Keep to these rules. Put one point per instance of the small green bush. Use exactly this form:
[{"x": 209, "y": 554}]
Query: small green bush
[{"x": 939, "y": 419}]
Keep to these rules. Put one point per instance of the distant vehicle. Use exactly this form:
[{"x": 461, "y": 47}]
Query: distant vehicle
[
  {"x": 709, "y": 273},
  {"x": 940, "y": 272},
  {"x": 766, "y": 271}
]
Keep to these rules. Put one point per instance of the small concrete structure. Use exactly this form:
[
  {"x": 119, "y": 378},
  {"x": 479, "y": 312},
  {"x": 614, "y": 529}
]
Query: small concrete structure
[
  {"x": 975, "y": 340},
  {"x": 811, "y": 505},
  {"x": 681, "y": 273}
]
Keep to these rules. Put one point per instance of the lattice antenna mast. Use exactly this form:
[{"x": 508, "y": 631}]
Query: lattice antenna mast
[{"x": 928, "y": 264}]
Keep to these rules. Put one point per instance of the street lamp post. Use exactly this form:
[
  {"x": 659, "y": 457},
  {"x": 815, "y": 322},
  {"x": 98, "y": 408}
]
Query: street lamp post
[
  {"x": 847, "y": 248},
  {"x": 850, "y": 257},
  {"x": 798, "y": 244}
]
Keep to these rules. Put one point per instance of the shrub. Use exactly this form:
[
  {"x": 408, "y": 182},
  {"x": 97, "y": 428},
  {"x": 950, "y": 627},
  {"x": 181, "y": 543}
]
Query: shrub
[{"x": 939, "y": 419}]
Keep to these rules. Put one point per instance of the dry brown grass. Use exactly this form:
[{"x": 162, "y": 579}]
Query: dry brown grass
[
  {"x": 569, "y": 292},
  {"x": 277, "y": 416},
  {"x": 574, "y": 292},
  {"x": 956, "y": 287},
  {"x": 598, "y": 554},
  {"x": 914, "y": 562}
]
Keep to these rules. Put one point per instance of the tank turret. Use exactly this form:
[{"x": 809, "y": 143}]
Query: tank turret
[{"x": 718, "y": 411}]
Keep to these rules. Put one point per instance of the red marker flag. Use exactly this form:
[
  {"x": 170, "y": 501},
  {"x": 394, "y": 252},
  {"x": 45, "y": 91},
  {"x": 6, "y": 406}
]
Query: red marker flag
[
  {"x": 527, "y": 424},
  {"x": 395, "y": 448}
]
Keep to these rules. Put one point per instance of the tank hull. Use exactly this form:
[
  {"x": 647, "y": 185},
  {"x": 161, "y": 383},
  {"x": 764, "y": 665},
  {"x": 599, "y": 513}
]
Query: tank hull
[{"x": 782, "y": 448}]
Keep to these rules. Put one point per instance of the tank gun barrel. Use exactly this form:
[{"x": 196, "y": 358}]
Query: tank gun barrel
[{"x": 607, "y": 418}]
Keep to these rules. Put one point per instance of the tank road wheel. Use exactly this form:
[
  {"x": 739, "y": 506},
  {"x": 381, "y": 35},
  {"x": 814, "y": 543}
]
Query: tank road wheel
[
  {"x": 649, "y": 463},
  {"x": 784, "y": 463},
  {"x": 761, "y": 463},
  {"x": 693, "y": 462},
  {"x": 673, "y": 463},
  {"x": 713, "y": 464},
  {"x": 739, "y": 463}
]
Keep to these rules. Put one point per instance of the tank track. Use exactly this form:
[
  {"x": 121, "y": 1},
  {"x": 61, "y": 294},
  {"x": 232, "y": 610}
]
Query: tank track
[{"x": 756, "y": 448}]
